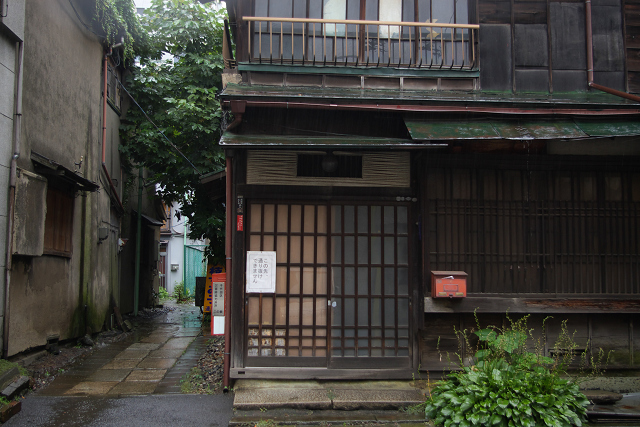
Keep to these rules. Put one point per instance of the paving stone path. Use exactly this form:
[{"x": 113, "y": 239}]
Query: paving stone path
[{"x": 151, "y": 361}]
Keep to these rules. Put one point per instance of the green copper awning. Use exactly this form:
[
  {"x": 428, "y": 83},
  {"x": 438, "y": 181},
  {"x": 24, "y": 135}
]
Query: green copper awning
[
  {"x": 461, "y": 129},
  {"x": 601, "y": 128}
]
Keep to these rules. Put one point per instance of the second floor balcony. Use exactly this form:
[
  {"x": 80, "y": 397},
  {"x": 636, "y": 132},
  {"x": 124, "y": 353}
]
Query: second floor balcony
[{"x": 361, "y": 43}]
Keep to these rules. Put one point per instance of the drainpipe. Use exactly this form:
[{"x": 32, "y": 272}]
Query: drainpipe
[
  {"x": 589, "y": 30},
  {"x": 590, "y": 82},
  {"x": 17, "y": 125},
  {"x": 136, "y": 283},
  {"x": 227, "y": 285},
  {"x": 238, "y": 109}
]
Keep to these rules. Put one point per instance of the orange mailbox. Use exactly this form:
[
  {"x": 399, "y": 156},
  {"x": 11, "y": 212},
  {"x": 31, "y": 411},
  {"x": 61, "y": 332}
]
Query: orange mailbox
[{"x": 448, "y": 284}]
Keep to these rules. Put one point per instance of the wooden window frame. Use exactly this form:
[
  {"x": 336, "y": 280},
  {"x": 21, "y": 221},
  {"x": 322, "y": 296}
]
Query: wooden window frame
[{"x": 58, "y": 228}]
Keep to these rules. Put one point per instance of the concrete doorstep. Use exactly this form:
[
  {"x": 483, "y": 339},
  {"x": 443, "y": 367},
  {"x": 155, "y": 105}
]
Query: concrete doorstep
[
  {"x": 315, "y": 402},
  {"x": 340, "y": 395}
]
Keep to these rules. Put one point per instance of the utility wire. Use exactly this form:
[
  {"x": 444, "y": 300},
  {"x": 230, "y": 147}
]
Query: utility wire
[
  {"x": 81, "y": 21},
  {"x": 157, "y": 128}
]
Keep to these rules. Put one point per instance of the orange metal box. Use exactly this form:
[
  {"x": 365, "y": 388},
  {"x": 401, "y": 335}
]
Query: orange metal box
[{"x": 448, "y": 284}]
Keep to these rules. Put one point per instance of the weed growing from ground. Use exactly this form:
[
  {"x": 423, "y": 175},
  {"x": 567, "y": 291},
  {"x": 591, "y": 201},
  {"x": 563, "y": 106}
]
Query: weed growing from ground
[
  {"x": 189, "y": 382},
  {"x": 511, "y": 382}
]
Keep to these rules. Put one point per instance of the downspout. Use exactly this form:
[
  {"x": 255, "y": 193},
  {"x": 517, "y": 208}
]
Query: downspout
[
  {"x": 238, "y": 109},
  {"x": 136, "y": 280},
  {"x": 590, "y": 82},
  {"x": 17, "y": 125},
  {"x": 227, "y": 285}
]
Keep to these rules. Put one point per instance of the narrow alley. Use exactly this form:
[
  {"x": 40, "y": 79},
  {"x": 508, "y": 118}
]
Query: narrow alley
[{"x": 136, "y": 381}]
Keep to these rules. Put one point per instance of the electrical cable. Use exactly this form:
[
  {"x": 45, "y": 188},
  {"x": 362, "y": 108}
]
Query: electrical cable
[
  {"x": 82, "y": 22},
  {"x": 157, "y": 128}
]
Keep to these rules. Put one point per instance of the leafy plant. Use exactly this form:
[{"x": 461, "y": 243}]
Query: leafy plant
[
  {"x": 189, "y": 382},
  {"x": 119, "y": 21},
  {"x": 176, "y": 82},
  {"x": 511, "y": 383},
  {"x": 181, "y": 292},
  {"x": 163, "y": 293}
]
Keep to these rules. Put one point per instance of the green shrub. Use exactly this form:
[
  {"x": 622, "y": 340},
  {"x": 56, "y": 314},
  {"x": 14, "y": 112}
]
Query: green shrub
[
  {"x": 181, "y": 292},
  {"x": 510, "y": 385},
  {"x": 163, "y": 293}
]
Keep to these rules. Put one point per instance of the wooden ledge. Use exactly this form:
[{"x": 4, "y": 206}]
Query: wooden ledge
[{"x": 532, "y": 305}]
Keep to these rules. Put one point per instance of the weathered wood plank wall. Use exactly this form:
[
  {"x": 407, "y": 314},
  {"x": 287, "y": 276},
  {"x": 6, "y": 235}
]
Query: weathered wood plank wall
[
  {"x": 632, "y": 42},
  {"x": 540, "y": 45},
  {"x": 617, "y": 335}
]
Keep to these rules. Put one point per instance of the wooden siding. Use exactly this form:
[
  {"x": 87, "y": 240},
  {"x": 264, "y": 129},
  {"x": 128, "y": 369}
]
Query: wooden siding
[
  {"x": 632, "y": 43},
  {"x": 615, "y": 334},
  {"x": 540, "y": 46}
]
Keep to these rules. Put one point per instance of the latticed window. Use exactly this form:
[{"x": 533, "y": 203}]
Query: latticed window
[
  {"x": 342, "y": 284},
  {"x": 535, "y": 231}
]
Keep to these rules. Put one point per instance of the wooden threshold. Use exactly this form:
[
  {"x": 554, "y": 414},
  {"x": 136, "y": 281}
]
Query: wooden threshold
[
  {"x": 573, "y": 305},
  {"x": 320, "y": 374}
]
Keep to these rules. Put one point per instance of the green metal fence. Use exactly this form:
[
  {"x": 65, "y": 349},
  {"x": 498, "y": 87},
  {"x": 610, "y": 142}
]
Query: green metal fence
[{"x": 194, "y": 266}]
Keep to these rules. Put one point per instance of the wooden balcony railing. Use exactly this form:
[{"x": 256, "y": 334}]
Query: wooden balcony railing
[{"x": 362, "y": 43}]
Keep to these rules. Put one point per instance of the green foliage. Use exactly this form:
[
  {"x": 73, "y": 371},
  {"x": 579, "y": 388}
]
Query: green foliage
[
  {"x": 188, "y": 383},
  {"x": 179, "y": 96},
  {"x": 163, "y": 293},
  {"x": 119, "y": 20},
  {"x": 181, "y": 293},
  {"x": 511, "y": 383}
]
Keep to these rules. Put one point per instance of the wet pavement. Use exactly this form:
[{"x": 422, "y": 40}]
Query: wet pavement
[
  {"x": 133, "y": 382},
  {"x": 151, "y": 360}
]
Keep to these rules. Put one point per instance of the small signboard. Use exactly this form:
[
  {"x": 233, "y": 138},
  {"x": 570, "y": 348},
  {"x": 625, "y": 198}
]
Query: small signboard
[
  {"x": 261, "y": 272},
  {"x": 216, "y": 292},
  {"x": 208, "y": 293}
]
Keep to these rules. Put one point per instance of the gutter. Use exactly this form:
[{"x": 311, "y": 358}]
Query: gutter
[
  {"x": 590, "y": 82},
  {"x": 433, "y": 109},
  {"x": 17, "y": 126}
]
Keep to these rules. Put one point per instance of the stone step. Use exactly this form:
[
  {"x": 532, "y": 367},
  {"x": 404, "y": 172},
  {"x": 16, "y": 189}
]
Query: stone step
[
  {"x": 326, "y": 395},
  {"x": 300, "y": 418}
]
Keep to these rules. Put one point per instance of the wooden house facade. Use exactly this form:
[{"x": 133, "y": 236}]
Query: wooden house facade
[{"x": 370, "y": 143}]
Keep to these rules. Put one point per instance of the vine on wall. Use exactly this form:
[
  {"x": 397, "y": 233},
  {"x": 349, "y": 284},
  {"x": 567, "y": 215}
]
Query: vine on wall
[{"x": 119, "y": 20}]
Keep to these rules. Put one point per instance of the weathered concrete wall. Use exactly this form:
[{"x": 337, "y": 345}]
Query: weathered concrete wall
[
  {"x": 62, "y": 120},
  {"x": 11, "y": 32}
]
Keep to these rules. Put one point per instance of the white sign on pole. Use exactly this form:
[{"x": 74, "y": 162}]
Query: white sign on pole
[{"x": 261, "y": 272}]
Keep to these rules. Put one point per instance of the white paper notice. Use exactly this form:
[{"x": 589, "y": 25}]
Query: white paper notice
[{"x": 261, "y": 272}]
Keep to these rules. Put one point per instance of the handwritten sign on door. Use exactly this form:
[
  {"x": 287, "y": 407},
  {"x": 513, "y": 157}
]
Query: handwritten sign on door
[{"x": 261, "y": 272}]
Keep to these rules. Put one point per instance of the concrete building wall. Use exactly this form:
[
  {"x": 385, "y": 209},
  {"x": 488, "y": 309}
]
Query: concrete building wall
[
  {"x": 7, "y": 86},
  {"x": 62, "y": 120},
  {"x": 11, "y": 33}
]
